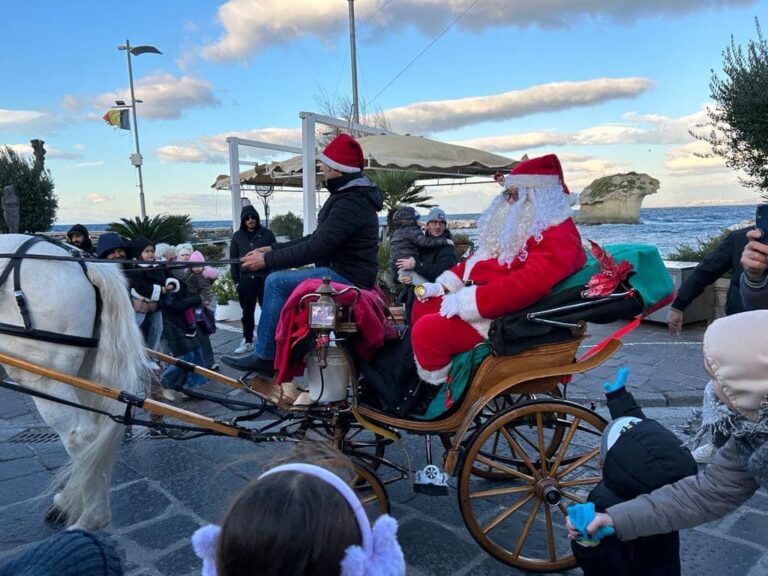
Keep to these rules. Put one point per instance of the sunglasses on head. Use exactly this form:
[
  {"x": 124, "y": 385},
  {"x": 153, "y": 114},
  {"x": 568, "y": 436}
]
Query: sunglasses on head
[{"x": 511, "y": 193}]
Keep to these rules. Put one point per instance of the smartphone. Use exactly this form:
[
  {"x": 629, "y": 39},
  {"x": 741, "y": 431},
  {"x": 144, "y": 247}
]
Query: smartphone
[{"x": 761, "y": 221}]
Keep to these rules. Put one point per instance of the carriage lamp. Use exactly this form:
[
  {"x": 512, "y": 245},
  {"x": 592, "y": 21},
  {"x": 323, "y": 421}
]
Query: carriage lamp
[{"x": 324, "y": 311}]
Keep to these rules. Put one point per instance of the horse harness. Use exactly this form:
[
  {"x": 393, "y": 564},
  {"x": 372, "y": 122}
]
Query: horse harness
[{"x": 28, "y": 331}]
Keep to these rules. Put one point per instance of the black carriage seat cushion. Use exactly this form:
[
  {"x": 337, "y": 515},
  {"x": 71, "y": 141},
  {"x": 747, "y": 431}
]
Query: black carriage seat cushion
[{"x": 514, "y": 333}]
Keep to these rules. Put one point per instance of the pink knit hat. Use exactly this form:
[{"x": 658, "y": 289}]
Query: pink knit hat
[{"x": 197, "y": 256}]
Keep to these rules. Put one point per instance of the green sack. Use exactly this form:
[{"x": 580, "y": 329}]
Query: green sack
[{"x": 649, "y": 274}]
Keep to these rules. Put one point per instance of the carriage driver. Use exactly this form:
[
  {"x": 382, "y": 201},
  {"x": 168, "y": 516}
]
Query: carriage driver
[
  {"x": 527, "y": 243},
  {"x": 344, "y": 247}
]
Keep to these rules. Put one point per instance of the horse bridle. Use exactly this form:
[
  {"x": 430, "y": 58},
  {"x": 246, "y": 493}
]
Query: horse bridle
[{"x": 29, "y": 331}]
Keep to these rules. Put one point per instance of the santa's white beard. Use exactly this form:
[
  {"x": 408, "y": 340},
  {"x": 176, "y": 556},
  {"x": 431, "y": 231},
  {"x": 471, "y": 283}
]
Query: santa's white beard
[{"x": 504, "y": 228}]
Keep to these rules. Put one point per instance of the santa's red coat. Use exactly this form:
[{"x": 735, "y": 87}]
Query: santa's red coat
[{"x": 495, "y": 289}]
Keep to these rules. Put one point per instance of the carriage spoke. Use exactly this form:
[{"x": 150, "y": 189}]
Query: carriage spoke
[
  {"x": 550, "y": 535},
  {"x": 520, "y": 452},
  {"x": 527, "y": 528},
  {"x": 506, "y": 513},
  {"x": 578, "y": 462},
  {"x": 566, "y": 442},
  {"x": 571, "y": 496},
  {"x": 582, "y": 481},
  {"x": 540, "y": 436},
  {"x": 501, "y": 491},
  {"x": 502, "y": 468}
]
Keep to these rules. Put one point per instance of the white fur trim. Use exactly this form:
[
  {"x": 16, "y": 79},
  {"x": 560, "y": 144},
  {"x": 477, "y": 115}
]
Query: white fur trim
[
  {"x": 156, "y": 291},
  {"x": 434, "y": 377},
  {"x": 481, "y": 325},
  {"x": 468, "y": 304},
  {"x": 531, "y": 180},
  {"x": 337, "y": 165},
  {"x": 452, "y": 282}
]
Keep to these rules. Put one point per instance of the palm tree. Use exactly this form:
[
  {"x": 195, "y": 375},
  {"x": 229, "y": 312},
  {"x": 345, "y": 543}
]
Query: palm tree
[
  {"x": 398, "y": 187},
  {"x": 173, "y": 229}
]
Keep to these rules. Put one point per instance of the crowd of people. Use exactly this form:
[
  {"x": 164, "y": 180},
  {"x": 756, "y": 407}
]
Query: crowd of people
[{"x": 527, "y": 243}]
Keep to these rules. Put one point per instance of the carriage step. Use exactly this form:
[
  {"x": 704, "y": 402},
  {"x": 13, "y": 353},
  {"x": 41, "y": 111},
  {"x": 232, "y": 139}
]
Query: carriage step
[{"x": 431, "y": 481}]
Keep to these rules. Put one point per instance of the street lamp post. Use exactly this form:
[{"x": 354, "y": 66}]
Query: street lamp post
[{"x": 136, "y": 157}]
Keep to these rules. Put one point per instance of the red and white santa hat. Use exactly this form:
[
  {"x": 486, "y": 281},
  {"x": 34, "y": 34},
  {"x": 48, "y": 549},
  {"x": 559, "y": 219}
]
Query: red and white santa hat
[
  {"x": 541, "y": 172},
  {"x": 344, "y": 154}
]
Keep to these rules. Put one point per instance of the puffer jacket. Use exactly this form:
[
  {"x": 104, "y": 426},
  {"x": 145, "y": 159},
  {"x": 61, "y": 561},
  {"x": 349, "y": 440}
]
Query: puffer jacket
[
  {"x": 754, "y": 293},
  {"x": 244, "y": 241},
  {"x": 347, "y": 235}
]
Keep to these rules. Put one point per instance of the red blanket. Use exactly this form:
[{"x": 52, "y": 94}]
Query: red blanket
[{"x": 374, "y": 326}]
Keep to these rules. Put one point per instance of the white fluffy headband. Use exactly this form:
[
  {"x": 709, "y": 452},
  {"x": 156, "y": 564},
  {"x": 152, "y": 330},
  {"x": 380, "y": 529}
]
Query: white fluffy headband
[{"x": 379, "y": 555}]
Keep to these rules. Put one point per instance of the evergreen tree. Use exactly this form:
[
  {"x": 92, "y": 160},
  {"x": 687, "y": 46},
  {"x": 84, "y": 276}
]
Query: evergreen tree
[
  {"x": 34, "y": 189},
  {"x": 737, "y": 127}
]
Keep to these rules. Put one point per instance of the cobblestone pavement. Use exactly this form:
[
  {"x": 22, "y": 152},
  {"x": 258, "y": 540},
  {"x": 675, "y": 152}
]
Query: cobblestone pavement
[{"x": 164, "y": 489}]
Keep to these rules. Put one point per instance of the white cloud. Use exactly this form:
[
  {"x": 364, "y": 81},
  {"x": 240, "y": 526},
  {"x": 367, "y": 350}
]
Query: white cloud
[
  {"x": 71, "y": 102},
  {"x": 165, "y": 96},
  {"x": 250, "y": 25},
  {"x": 88, "y": 164},
  {"x": 442, "y": 115},
  {"x": 99, "y": 198},
  {"x": 214, "y": 149},
  {"x": 50, "y": 152},
  {"x": 23, "y": 120},
  {"x": 694, "y": 157}
]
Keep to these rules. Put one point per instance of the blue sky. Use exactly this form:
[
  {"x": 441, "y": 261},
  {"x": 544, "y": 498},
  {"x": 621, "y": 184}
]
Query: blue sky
[{"x": 609, "y": 85}]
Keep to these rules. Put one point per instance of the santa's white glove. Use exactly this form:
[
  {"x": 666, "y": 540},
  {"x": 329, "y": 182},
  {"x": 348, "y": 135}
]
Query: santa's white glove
[
  {"x": 429, "y": 290},
  {"x": 450, "y": 305}
]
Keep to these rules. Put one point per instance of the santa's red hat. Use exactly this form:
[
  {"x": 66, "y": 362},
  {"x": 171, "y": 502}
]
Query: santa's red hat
[
  {"x": 541, "y": 172},
  {"x": 344, "y": 154}
]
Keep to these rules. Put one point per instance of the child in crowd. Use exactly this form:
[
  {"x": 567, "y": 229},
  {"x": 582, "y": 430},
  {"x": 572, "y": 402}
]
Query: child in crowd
[
  {"x": 200, "y": 281},
  {"x": 407, "y": 237},
  {"x": 735, "y": 358},
  {"x": 147, "y": 283},
  {"x": 639, "y": 455},
  {"x": 299, "y": 519}
]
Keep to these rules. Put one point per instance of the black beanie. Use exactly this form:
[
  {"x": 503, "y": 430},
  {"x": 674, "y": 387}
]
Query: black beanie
[
  {"x": 68, "y": 553},
  {"x": 137, "y": 245}
]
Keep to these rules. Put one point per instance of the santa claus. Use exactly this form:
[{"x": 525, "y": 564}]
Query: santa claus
[{"x": 527, "y": 243}]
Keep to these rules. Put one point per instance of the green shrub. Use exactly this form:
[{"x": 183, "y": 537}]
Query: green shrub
[
  {"x": 287, "y": 225},
  {"x": 211, "y": 251},
  {"x": 702, "y": 249},
  {"x": 224, "y": 288}
]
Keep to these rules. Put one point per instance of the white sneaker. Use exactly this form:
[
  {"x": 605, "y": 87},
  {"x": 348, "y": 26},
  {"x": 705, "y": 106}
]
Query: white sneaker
[
  {"x": 244, "y": 348},
  {"x": 169, "y": 395},
  {"x": 703, "y": 454}
]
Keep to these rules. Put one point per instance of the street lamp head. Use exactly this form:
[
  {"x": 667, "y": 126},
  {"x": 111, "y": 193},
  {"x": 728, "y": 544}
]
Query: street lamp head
[
  {"x": 138, "y": 50},
  {"x": 120, "y": 102}
]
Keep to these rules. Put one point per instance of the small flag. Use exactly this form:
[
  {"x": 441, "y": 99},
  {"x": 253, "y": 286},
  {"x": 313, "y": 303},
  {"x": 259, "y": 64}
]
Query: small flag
[{"x": 118, "y": 118}]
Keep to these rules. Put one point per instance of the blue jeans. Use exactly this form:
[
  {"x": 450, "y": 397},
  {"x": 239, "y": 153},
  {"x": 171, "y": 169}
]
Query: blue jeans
[
  {"x": 277, "y": 290},
  {"x": 177, "y": 378},
  {"x": 151, "y": 326}
]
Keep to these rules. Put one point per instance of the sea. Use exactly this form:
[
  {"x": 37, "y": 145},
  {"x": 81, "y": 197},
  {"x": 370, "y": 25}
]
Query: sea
[{"x": 666, "y": 228}]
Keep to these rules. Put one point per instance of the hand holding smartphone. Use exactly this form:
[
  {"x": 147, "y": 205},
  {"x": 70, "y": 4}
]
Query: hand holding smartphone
[{"x": 761, "y": 221}]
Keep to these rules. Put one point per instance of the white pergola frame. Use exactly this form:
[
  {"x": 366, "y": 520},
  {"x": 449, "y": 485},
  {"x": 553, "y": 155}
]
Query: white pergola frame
[{"x": 308, "y": 152}]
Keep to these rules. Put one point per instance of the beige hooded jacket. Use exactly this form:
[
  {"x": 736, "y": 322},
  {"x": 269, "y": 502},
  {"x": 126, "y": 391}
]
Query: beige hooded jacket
[{"x": 736, "y": 354}]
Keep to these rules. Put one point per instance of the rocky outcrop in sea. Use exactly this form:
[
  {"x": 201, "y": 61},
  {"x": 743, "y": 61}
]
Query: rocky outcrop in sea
[{"x": 615, "y": 199}]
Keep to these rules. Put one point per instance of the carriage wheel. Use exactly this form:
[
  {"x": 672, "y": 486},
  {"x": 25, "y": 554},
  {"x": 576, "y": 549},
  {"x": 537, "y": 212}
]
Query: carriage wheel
[
  {"x": 365, "y": 445},
  {"x": 495, "y": 406},
  {"x": 370, "y": 490},
  {"x": 535, "y": 538}
]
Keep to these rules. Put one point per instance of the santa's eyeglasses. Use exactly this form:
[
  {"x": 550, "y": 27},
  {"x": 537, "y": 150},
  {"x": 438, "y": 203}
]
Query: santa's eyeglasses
[{"x": 513, "y": 193}]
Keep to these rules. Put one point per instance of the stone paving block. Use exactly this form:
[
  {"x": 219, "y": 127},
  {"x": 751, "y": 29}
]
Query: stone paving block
[
  {"x": 13, "y": 405},
  {"x": 703, "y": 553},
  {"x": 136, "y": 503},
  {"x": 207, "y": 494},
  {"x": 52, "y": 455},
  {"x": 180, "y": 561},
  {"x": 20, "y": 467},
  {"x": 9, "y": 451},
  {"x": 124, "y": 474},
  {"x": 23, "y": 522},
  {"x": 753, "y": 527},
  {"x": 164, "y": 533},
  {"x": 433, "y": 549},
  {"x": 21, "y": 488}
]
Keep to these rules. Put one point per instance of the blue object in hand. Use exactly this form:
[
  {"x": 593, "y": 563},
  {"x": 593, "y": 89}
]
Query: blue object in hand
[
  {"x": 621, "y": 380},
  {"x": 580, "y": 516}
]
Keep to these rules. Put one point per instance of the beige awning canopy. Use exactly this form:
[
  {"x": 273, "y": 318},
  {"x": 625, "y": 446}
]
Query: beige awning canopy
[{"x": 431, "y": 159}]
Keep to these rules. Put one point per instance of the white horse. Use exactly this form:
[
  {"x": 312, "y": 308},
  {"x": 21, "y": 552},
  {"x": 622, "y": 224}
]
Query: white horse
[{"x": 61, "y": 298}]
